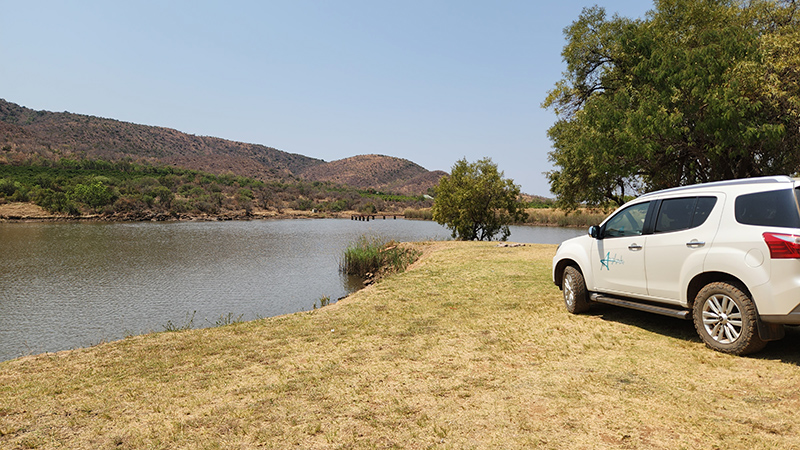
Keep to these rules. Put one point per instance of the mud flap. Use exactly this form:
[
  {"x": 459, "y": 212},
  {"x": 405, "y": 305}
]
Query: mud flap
[{"x": 770, "y": 331}]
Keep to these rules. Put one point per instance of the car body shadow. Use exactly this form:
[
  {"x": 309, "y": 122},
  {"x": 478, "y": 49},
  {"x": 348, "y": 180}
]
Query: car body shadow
[{"x": 784, "y": 350}]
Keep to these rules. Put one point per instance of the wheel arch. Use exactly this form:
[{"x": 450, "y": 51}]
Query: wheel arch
[
  {"x": 558, "y": 271},
  {"x": 766, "y": 331},
  {"x": 705, "y": 278}
]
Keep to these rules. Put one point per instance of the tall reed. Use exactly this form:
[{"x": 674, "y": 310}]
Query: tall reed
[
  {"x": 376, "y": 256},
  {"x": 423, "y": 214},
  {"x": 556, "y": 217}
]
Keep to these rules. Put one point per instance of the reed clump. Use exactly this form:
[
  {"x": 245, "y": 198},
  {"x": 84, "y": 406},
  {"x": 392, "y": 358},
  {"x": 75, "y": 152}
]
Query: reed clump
[
  {"x": 421, "y": 214},
  {"x": 556, "y": 217},
  {"x": 373, "y": 256}
]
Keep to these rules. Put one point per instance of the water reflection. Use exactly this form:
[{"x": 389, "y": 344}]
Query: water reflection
[{"x": 66, "y": 285}]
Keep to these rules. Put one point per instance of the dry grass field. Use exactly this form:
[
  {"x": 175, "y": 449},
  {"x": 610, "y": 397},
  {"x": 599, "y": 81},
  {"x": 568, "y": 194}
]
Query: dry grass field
[{"x": 469, "y": 348}]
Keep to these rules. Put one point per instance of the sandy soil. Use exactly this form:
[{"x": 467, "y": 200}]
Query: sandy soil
[{"x": 23, "y": 211}]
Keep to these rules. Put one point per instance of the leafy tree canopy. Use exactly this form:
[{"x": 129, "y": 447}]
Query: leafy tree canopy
[
  {"x": 476, "y": 202},
  {"x": 700, "y": 90}
]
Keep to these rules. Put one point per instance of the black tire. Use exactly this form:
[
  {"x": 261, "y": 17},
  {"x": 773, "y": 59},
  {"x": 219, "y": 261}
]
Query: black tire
[
  {"x": 576, "y": 298},
  {"x": 725, "y": 318}
]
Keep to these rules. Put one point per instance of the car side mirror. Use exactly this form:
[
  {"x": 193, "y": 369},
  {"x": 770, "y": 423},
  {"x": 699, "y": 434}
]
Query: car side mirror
[{"x": 594, "y": 231}]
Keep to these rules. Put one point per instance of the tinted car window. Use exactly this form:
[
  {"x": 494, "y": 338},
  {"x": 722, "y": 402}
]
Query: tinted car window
[
  {"x": 683, "y": 213},
  {"x": 771, "y": 208},
  {"x": 675, "y": 214},
  {"x": 628, "y": 222},
  {"x": 702, "y": 210}
]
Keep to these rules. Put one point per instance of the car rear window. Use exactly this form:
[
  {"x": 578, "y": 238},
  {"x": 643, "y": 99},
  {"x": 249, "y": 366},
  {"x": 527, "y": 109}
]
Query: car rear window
[{"x": 771, "y": 208}]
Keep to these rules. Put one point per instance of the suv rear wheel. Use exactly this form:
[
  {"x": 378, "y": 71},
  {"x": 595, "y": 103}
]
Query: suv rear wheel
[
  {"x": 576, "y": 299},
  {"x": 725, "y": 318}
]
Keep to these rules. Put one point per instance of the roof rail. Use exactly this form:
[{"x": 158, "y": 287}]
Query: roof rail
[{"x": 735, "y": 182}]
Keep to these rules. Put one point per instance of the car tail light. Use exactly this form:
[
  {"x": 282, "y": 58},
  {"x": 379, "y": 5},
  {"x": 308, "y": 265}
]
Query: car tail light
[{"x": 783, "y": 246}]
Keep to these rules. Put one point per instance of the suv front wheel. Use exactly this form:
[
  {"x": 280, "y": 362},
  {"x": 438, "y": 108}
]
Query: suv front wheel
[
  {"x": 576, "y": 298},
  {"x": 725, "y": 318}
]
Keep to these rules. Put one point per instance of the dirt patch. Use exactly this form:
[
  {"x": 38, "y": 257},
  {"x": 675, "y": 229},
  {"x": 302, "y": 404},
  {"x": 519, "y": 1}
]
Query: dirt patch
[{"x": 19, "y": 210}]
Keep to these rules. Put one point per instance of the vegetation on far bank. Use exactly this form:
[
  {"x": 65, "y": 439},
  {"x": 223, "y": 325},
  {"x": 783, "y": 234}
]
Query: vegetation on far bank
[
  {"x": 129, "y": 189},
  {"x": 469, "y": 348},
  {"x": 578, "y": 218}
]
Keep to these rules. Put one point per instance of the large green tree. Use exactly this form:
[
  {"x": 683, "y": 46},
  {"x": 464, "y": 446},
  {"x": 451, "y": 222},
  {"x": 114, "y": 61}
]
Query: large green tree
[
  {"x": 476, "y": 202},
  {"x": 700, "y": 90}
]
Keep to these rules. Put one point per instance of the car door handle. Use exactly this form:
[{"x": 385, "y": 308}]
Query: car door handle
[
  {"x": 694, "y": 243},
  {"x": 634, "y": 247}
]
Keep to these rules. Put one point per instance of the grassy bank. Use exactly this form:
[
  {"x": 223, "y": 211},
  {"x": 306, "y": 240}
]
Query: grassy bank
[{"x": 469, "y": 348}]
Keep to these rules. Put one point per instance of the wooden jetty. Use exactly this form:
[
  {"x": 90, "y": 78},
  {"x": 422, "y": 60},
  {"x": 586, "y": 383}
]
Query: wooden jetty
[{"x": 368, "y": 217}]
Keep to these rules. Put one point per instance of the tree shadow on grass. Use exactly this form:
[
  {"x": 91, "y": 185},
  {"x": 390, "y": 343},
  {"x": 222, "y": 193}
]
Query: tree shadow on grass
[{"x": 784, "y": 350}]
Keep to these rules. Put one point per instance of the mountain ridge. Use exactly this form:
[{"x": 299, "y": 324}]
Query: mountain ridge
[{"x": 26, "y": 133}]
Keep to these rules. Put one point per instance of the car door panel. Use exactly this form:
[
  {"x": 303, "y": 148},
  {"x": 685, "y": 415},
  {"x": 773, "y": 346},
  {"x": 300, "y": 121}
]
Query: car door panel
[
  {"x": 618, "y": 257},
  {"x": 677, "y": 248},
  {"x": 618, "y": 265}
]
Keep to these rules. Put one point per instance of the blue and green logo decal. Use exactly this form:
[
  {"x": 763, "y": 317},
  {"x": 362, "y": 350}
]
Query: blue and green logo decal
[{"x": 610, "y": 260}]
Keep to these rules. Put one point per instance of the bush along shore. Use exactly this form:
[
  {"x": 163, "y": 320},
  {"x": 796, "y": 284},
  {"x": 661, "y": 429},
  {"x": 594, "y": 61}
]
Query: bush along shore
[
  {"x": 468, "y": 348},
  {"x": 124, "y": 190}
]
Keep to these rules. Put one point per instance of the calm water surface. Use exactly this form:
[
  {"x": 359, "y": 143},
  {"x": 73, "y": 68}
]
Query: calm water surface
[{"x": 67, "y": 285}]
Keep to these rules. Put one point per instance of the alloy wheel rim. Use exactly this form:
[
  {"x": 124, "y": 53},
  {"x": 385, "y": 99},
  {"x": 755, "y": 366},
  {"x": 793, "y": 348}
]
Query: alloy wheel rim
[
  {"x": 569, "y": 290},
  {"x": 722, "y": 319}
]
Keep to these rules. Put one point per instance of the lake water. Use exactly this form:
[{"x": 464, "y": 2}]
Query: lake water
[{"x": 67, "y": 285}]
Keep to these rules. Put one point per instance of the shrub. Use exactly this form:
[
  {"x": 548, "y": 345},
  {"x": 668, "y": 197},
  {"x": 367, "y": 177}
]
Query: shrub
[
  {"x": 303, "y": 204},
  {"x": 369, "y": 208},
  {"x": 55, "y": 201},
  {"x": 8, "y": 187},
  {"x": 95, "y": 195}
]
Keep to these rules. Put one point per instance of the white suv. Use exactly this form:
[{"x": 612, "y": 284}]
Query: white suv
[{"x": 724, "y": 254}]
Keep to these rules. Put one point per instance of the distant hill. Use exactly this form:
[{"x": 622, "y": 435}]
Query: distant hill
[
  {"x": 380, "y": 172},
  {"x": 25, "y": 132}
]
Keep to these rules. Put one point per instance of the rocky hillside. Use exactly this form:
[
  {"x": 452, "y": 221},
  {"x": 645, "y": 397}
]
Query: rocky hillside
[
  {"x": 51, "y": 134},
  {"x": 25, "y": 132},
  {"x": 379, "y": 172}
]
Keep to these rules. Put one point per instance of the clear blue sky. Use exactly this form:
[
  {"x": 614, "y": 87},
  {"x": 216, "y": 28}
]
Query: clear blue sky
[{"x": 427, "y": 80}]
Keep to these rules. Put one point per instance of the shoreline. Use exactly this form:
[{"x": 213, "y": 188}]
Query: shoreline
[{"x": 22, "y": 212}]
